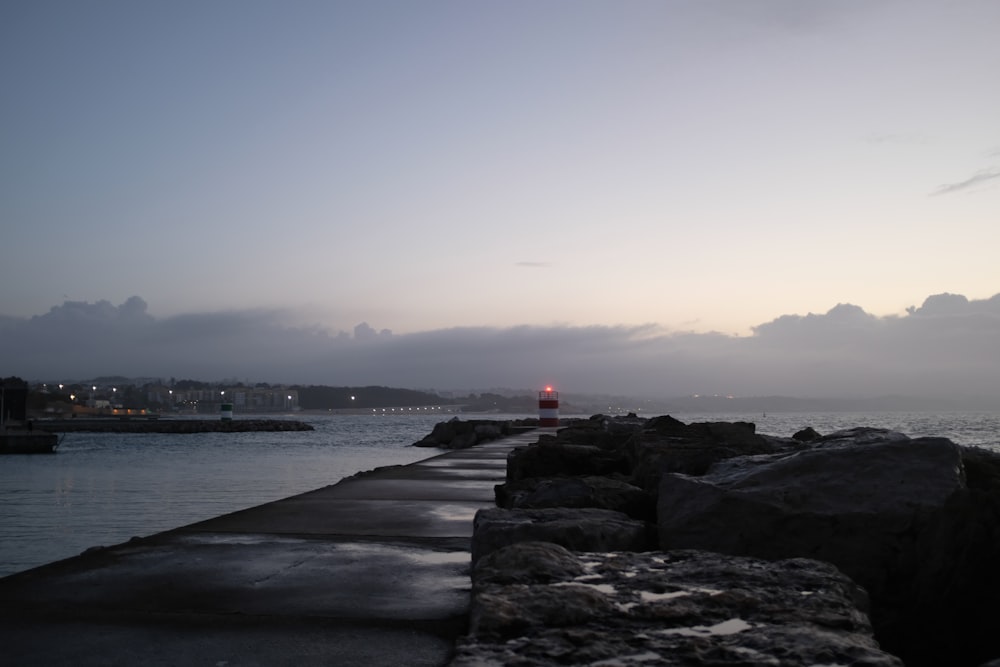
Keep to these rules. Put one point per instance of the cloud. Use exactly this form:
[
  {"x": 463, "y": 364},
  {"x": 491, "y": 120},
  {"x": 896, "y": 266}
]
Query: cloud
[
  {"x": 365, "y": 331},
  {"x": 979, "y": 178},
  {"x": 535, "y": 265},
  {"x": 945, "y": 347},
  {"x": 843, "y": 321}
]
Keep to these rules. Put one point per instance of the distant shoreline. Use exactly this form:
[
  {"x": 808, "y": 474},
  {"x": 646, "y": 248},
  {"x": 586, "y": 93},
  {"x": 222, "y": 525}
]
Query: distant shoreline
[
  {"x": 112, "y": 425},
  {"x": 415, "y": 410}
]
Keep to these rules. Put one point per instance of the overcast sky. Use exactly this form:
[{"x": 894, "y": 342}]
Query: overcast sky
[
  {"x": 944, "y": 348},
  {"x": 593, "y": 192}
]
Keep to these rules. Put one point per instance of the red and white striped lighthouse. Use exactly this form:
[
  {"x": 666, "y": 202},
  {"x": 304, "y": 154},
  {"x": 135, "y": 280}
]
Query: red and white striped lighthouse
[{"x": 548, "y": 407}]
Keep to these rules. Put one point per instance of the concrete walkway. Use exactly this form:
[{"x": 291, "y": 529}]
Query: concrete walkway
[{"x": 373, "y": 570}]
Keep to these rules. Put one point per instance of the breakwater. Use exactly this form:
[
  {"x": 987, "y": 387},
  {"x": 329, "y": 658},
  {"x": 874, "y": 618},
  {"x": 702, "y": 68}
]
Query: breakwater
[
  {"x": 104, "y": 488},
  {"x": 656, "y": 538},
  {"x": 169, "y": 425},
  {"x": 372, "y": 570},
  {"x": 615, "y": 541}
]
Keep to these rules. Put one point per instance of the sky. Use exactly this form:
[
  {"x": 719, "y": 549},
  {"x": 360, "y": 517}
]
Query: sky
[{"x": 435, "y": 193}]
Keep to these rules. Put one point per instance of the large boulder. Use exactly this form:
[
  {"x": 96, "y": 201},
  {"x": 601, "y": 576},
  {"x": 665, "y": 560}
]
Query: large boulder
[
  {"x": 540, "y": 605},
  {"x": 589, "y": 491},
  {"x": 598, "y": 431},
  {"x": 847, "y": 503},
  {"x": 668, "y": 445},
  {"x": 580, "y": 529},
  {"x": 527, "y": 563},
  {"x": 894, "y": 514},
  {"x": 458, "y": 434},
  {"x": 949, "y": 580},
  {"x": 594, "y": 446},
  {"x": 558, "y": 459}
]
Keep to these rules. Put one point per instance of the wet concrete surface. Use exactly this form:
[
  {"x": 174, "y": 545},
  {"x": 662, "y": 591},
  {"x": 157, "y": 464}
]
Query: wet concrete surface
[{"x": 373, "y": 570}]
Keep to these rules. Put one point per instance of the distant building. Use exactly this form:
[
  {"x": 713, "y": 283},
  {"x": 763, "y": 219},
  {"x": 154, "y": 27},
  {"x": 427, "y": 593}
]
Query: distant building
[
  {"x": 271, "y": 399},
  {"x": 158, "y": 393},
  {"x": 243, "y": 399},
  {"x": 13, "y": 400}
]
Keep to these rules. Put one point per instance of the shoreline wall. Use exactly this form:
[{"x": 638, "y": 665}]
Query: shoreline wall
[{"x": 137, "y": 425}]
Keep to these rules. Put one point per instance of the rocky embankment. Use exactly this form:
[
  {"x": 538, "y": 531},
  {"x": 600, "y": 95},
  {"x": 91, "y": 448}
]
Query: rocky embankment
[
  {"x": 623, "y": 541},
  {"x": 459, "y": 434},
  {"x": 170, "y": 425}
]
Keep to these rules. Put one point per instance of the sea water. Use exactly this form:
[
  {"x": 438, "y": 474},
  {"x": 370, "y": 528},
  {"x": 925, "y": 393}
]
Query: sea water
[
  {"x": 981, "y": 429},
  {"x": 101, "y": 489}
]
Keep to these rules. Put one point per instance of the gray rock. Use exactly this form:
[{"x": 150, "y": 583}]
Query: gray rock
[
  {"x": 458, "y": 434},
  {"x": 558, "y": 459},
  {"x": 845, "y": 503},
  {"x": 916, "y": 522},
  {"x": 943, "y": 607},
  {"x": 598, "y": 431},
  {"x": 668, "y": 445},
  {"x": 590, "y": 491},
  {"x": 882, "y": 508},
  {"x": 861, "y": 435},
  {"x": 529, "y": 563},
  {"x": 808, "y": 434},
  {"x": 580, "y": 529},
  {"x": 673, "y": 608}
]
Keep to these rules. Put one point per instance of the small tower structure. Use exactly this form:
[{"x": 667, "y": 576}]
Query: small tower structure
[{"x": 548, "y": 408}]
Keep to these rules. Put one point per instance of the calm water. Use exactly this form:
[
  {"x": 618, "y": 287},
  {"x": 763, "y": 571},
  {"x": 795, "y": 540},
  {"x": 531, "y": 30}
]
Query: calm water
[{"x": 102, "y": 489}]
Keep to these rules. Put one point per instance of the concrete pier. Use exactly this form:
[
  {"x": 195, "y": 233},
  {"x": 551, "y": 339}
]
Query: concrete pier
[{"x": 373, "y": 570}]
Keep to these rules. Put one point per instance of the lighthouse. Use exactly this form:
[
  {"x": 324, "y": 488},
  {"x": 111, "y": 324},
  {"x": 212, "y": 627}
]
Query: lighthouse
[{"x": 548, "y": 407}]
